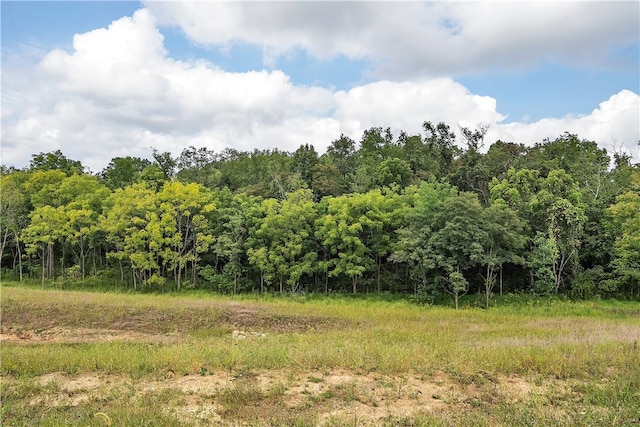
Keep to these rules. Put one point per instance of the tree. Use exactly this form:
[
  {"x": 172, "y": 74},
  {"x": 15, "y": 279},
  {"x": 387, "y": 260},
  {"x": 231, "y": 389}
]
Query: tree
[
  {"x": 558, "y": 211},
  {"x": 124, "y": 220},
  {"x": 506, "y": 239},
  {"x": 440, "y": 142},
  {"x": 123, "y": 171},
  {"x": 303, "y": 162},
  {"x": 458, "y": 285},
  {"x": 166, "y": 163},
  {"x": 184, "y": 226},
  {"x": 412, "y": 246},
  {"x": 55, "y": 161},
  {"x": 14, "y": 211},
  {"x": 327, "y": 180},
  {"x": 41, "y": 187},
  {"x": 234, "y": 220},
  {"x": 285, "y": 251},
  {"x": 81, "y": 198},
  {"x": 40, "y": 235},
  {"x": 469, "y": 172},
  {"x": 198, "y": 165},
  {"x": 393, "y": 173},
  {"x": 338, "y": 231},
  {"x": 625, "y": 217},
  {"x": 342, "y": 154},
  {"x": 457, "y": 241},
  {"x": 415, "y": 154},
  {"x": 540, "y": 262}
]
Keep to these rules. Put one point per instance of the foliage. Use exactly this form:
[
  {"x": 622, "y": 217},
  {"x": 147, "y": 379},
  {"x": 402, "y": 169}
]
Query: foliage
[{"x": 424, "y": 214}]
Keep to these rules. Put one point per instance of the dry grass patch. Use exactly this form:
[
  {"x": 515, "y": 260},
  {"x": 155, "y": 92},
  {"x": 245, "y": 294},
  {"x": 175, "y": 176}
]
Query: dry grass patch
[
  {"x": 321, "y": 397},
  {"x": 167, "y": 360}
]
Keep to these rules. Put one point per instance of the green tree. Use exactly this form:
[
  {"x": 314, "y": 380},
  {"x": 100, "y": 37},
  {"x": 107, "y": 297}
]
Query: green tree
[
  {"x": 338, "y": 230},
  {"x": 14, "y": 211},
  {"x": 625, "y": 217},
  {"x": 166, "y": 163},
  {"x": 393, "y": 173},
  {"x": 559, "y": 211},
  {"x": 327, "y": 180},
  {"x": 40, "y": 235},
  {"x": 457, "y": 241},
  {"x": 440, "y": 144},
  {"x": 81, "y": 198},
  {"x": 540, "y": 262},
  {"x": 412, "y": 247},
  {"x": 123, "y": 171},
  {"x": 55, "y": 161},
  {"x": 303, "y": 162},
  {"x": 41, "y": 187},
  {"x": 506, "y": 240},
  {"x": 285, "y": 251},
  {"x": 124, "y": 220},
  {"x": 184, "y": 226}
]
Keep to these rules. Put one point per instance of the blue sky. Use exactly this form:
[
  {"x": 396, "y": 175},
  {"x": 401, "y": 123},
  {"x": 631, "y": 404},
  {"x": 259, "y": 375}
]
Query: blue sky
[{"x": 341, "y": 67}]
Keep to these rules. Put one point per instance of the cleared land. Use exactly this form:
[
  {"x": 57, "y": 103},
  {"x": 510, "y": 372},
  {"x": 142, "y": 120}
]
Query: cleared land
[{"x": 82, "y": 358}]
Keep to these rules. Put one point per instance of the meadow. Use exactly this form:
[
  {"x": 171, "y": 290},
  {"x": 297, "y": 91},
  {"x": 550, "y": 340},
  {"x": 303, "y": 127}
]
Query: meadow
[{"x": 71, "y": 357}]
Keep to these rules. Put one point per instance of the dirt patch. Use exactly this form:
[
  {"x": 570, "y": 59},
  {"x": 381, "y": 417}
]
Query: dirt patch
[
  {"x": 80, "y": 335},
  {"x": 53, "y": 323},
  {"x": 225, "y": 398}
]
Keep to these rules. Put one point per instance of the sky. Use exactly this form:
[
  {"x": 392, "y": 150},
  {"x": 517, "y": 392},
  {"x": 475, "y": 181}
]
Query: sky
[{"x": 99, "y": 80}]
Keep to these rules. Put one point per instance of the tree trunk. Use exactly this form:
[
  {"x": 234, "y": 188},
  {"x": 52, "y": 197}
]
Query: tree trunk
[
  {"x": 82, "y": 262},
  {"x": 50, "y": 265},
  {"x": 378, "y": 268},
  {"x": 43, "y": 264},
  {"x": 19, "y": 258},
  {"x": 261, "y": 282}
]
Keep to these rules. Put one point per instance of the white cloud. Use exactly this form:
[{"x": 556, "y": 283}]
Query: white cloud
[
  {"x": 405, "y": 106},
  {"x": 118, "y": 93},
  {"x": 616, "y": 119},
  {"x": 410, "y": 39}
]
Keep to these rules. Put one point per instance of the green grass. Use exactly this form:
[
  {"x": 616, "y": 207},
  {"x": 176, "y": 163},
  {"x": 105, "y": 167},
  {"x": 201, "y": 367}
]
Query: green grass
[{"x": 567, "y": 362}]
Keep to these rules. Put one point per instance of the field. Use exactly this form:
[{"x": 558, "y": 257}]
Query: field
[{"x": 90, "y": 358}]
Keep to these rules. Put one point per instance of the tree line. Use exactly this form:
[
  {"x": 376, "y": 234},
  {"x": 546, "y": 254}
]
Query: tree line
[{"x": 424, "y": 214}]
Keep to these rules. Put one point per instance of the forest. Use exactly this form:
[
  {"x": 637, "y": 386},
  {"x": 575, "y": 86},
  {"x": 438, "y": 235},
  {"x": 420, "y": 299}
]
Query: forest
[{"x": 426, "y": 215}]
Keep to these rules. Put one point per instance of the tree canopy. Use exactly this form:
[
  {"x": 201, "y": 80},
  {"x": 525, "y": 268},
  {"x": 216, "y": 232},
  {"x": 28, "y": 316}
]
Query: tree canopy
[{"x": 425, "y": 214}]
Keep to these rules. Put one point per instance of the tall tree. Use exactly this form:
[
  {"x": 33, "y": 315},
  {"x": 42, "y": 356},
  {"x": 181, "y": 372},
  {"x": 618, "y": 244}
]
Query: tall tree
[
  {"x": 457, "y": 241},
  {"x": 123, "y": 171},
  {"x": 412, "y": 247},
  {"x": 183, "y": 218},
  {"x": 14, "y": 211},
  {"x": 303, "y": 162},
  {"x": 625, "y": 216},
  {"x": 40, "y": 236},
  {"x": 55, "y": 160},
  {"x": 504, "y": 244},
  {"x": 81, "y": 197},
  {"x": 338, "y": 231},
  {"x": 285, "y": 251}
]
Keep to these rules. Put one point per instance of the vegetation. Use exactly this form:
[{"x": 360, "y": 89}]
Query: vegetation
[
  {"x": 90, "y": 358},
  {"x": 415, "y": 215}
]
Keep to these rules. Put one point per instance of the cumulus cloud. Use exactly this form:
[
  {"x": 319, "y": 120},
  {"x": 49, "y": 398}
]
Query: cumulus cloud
[
  {"x": 410, "y": 39},
  {"x": 119, "y": 93},
  {"x": 615, "y": 121}
]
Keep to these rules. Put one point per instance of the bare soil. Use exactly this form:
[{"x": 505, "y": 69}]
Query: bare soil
[{"x": 369, "y": 398}]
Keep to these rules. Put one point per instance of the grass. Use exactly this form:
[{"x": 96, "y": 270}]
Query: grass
[{"x": 198, "y": 359}]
